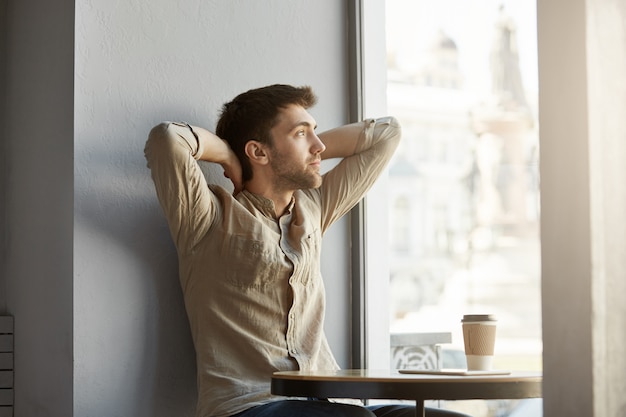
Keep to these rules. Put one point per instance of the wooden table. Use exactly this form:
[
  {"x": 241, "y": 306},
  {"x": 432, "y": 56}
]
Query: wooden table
[{"x": 390, "y": 384}]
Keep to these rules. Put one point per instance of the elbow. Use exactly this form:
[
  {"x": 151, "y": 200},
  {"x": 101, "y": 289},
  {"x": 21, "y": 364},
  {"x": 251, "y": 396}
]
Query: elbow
[
  {"x": 155, "y": 141},
  {"x": 393, "y": 126},
  {"x": 157, "y": 132},
  {"x": 394, "y": 129}
]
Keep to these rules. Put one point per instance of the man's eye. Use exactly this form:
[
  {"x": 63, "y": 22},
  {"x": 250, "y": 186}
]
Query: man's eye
[{"x": 300, "y": 133}]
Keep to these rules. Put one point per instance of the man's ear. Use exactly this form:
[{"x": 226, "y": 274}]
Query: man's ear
[{"x": 256, "y": 152}]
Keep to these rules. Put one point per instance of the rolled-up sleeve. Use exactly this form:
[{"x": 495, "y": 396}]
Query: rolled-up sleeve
[
  {"x": 346, "y": 184},
  {"x": 171, "y": 152}
]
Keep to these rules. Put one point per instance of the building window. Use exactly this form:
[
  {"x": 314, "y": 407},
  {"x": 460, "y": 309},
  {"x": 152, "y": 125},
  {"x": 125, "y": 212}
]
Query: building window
[{"x": 464, "y": 187}]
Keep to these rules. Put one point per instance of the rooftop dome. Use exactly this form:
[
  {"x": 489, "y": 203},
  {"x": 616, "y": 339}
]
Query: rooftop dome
[{"x": 443, "y": 41}]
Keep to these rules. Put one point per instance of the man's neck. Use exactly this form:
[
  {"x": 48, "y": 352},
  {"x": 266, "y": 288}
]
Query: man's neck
[{"x": 281, "y": 199}]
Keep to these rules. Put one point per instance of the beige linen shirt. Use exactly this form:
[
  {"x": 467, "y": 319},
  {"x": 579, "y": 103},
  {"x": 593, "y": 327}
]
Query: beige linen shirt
[{"x": 252, "y": 285}]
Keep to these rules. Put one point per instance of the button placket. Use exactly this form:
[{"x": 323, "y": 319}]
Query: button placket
[{"x": 291, "y": 318}]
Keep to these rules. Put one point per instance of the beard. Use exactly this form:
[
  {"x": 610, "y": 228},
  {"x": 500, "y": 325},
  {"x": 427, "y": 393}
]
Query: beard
[{"x": 289, "y": 176}]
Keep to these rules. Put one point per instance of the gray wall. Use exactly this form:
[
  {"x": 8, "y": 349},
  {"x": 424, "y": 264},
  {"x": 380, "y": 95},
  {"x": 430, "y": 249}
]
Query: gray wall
[
  {"x": 38, "y": 139},
  {"x": 91, "y": 274},
  {"x": 3, "y": 158}
]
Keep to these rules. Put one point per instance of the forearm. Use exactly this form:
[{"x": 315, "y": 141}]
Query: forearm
[
  {"x": 210, "y": 147},
  {"x": 213, "y": 149},
  {"x": 201, "y": 144},
  {"x": 350, "y": 139},
  {"x": 341, "y": 141}
]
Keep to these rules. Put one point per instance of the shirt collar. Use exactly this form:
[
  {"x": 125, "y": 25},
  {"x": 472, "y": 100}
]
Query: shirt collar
[{"x": 265, "y": 205}]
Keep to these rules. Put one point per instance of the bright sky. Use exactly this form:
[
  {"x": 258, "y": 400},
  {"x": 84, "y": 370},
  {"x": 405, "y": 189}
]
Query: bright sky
[{"x": 412, "y": 24}]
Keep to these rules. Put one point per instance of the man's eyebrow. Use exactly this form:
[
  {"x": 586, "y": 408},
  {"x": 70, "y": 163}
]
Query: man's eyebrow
[{"x": 304, "y": 123}]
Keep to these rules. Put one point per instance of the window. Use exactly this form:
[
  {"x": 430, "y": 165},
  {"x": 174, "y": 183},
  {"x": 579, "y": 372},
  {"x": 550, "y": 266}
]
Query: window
[{"x": 463, "y": 189}]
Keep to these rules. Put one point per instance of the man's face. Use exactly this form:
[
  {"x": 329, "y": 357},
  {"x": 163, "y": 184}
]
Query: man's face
[{"x": 295, "y": 152}]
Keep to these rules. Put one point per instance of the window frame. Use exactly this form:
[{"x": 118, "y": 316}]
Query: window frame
[{"x": 369, "y": 267}]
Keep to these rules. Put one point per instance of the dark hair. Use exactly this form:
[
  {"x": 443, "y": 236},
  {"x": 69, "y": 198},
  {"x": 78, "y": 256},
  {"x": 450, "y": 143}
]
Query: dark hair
[{"x": 251, "y": 116}]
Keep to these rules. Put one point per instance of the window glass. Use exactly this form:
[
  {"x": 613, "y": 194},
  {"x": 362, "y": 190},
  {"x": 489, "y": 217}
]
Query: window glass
[{"x": 464, "y": 186}]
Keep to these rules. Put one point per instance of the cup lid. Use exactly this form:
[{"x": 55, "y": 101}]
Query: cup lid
[{"x": 479, "y": 317}]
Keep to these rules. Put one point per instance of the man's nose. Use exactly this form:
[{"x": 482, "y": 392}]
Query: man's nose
[{"x": 318, "y": 145}]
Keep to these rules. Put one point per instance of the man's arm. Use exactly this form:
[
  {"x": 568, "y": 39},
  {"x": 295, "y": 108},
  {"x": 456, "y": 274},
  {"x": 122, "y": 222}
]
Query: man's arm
[
  {"x": 171, "y": 152},
  {"x": 366, "y": 148},
  {"x": 213, "y": 149},
  {"x": 341, "y": 141}
]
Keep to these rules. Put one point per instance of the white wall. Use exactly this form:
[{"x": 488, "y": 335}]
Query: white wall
[
  {"x": 582, "y": 62},
  {"x": 91, "y": 273}
]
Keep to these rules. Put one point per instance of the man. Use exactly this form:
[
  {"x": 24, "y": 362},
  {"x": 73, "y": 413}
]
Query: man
[{"x": 249, "y": 261}]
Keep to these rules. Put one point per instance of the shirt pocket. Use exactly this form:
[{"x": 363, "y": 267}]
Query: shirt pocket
[
  {"x": 311, "y": 254},
  {"x": 251, "y": 263}
]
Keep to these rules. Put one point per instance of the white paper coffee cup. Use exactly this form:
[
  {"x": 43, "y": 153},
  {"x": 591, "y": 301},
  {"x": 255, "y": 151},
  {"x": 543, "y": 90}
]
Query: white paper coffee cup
[{"x": 479, "y": 337}]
